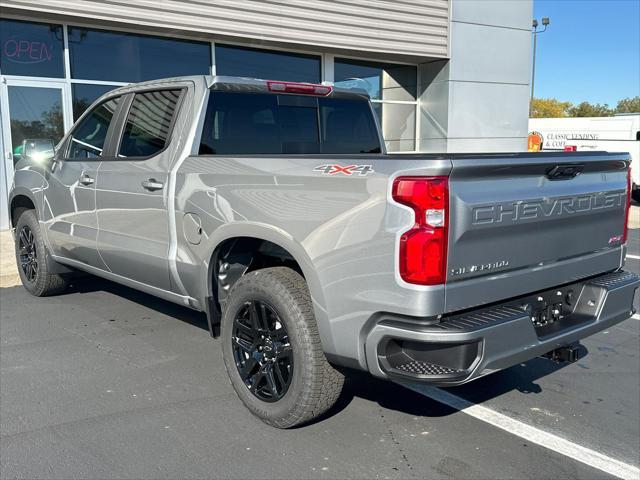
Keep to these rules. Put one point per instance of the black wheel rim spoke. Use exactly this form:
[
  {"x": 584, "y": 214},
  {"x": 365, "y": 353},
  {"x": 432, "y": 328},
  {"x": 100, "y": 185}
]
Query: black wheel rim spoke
[
  {"x": 262, "y": 352},
  {"x": 271, "y": 382},
  {"x": 280, "y": 335},
  {"x": 23, "y": 238},
  {"x": 28, "y": 253},
  {"x": 285, "y": 353},
  {"x": 247, "y": 331},
  {"x": 243, "y": 344},
  {"x": 247, "y": 371},
  {"x": 277, "y": 369}
]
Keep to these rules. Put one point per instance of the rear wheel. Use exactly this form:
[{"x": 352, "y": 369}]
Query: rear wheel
[
  {"x": 32, "y": 257},
  {"x": 272, "y": 350},
  {"x": 635, "y": 193}
]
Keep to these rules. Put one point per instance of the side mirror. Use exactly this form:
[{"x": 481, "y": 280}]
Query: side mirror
[{"x": 38, "y": 150}]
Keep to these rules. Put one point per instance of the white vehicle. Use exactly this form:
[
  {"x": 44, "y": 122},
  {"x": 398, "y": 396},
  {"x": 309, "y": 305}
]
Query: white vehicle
[{"x": 612, "y": 134}]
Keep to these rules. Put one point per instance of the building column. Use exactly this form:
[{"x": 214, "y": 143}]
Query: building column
[
  {"x": 478, "y": 101},
  {"x": 4, "y": 180}
]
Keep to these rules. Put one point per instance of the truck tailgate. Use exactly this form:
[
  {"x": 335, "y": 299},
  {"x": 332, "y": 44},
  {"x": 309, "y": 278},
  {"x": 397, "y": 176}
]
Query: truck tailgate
[{"x": 524, "y": 222}]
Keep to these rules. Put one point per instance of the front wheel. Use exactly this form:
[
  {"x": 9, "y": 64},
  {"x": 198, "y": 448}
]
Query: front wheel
[
  {"x": 31, "y": 257},
  {"x": 272, "y": 351}
]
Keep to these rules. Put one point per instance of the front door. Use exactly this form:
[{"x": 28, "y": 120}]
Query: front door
[
  {"x": 70, "y": 191},
  {"x": 132, "y": 192}
]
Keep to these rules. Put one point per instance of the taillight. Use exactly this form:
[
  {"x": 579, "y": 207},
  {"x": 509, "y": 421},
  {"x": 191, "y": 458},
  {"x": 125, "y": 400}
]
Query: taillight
[
  {"x": 300, "y": 88},
  {"x": 423, "y": 248},
  {"x": 625, "y": 230}
]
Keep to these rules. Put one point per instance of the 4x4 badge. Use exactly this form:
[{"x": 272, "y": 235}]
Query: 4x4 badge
[{"x": 348, "y": 170}]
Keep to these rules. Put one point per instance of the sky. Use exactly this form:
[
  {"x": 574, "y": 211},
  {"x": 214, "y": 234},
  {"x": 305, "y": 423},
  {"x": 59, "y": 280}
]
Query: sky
[{"x": 590, "y": 52}]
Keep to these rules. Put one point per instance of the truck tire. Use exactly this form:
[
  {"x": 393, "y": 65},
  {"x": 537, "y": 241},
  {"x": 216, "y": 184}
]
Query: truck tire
[
  {"x": 272, "y": 351},
  {"x": 635, "y": 193},
  {"x": 32, "y": 258}
]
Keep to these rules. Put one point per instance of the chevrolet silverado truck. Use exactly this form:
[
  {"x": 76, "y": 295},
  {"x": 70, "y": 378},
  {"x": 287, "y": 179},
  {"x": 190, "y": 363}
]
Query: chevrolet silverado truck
[{"x": 274, "y": 208}]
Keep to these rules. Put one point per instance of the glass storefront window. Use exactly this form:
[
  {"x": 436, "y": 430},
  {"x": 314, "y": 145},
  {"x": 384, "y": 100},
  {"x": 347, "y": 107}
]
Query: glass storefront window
[
  {"x": 84, "y": 94},
  {"x": 267, "y": 64},
  {"x": 124, "y": 57},
  {"x": 398, "y": 123},
  {"x": 35, "y": 113},
  {"x": 393, "y": 90},
  {"x": 382, "y": 81},
  {"x": 31, "y": 49}
]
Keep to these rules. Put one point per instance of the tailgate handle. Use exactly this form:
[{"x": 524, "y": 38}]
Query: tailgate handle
[{"x": 564, "y": 172}]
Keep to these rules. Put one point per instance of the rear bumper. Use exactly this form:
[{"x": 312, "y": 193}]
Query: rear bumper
[{"x": 462, "y": 347}]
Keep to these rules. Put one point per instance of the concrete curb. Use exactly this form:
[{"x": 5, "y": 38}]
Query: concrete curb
[{"x": 8, "y": 269}]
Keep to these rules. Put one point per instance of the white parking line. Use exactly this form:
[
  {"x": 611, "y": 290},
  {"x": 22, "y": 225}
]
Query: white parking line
[
  {"x": 635, "y": 257},
  {"x": 532, "y": 434}
]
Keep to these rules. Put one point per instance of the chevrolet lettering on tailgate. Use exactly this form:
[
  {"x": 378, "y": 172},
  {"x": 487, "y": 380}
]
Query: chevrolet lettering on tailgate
[{"x": 512, "y": 212}]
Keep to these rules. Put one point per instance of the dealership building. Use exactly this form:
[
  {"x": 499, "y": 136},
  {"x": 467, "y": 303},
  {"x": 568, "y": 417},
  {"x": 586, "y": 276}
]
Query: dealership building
[{"x": 443, "y": 75}]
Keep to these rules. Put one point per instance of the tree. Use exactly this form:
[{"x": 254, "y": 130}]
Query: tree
[
  {"x": 549, "y": 107},
  {"x": 585, "y": 109},
  {"x": 629, "y": 105}
]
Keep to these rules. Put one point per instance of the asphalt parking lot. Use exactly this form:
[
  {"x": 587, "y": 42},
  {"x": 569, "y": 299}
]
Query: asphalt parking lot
[{"x": 107, "y": 382}]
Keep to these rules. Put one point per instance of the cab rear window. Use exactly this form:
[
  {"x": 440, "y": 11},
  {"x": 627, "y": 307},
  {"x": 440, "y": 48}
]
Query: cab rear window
[{"x": 260, "y": 123}]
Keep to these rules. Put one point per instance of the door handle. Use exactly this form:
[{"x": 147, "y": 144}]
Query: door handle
[
  {"x": 152, "y": 185},
  {"x": 86, "y": 180}
]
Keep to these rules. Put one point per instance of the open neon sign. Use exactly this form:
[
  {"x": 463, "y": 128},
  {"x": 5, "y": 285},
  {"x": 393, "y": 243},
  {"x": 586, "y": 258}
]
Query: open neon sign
[{"x": 27, "y": 51}]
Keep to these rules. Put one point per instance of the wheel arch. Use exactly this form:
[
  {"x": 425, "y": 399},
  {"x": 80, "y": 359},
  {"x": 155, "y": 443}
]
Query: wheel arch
[
  {"x": 21, "y": 199},
  {"x": 286, "y": 243}
]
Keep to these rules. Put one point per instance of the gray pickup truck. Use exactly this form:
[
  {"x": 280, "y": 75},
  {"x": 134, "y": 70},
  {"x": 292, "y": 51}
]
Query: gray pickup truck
[{"x": 274, "y": 208}]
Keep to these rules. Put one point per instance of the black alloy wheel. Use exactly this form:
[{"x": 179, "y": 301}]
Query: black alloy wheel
[
  {"x": 262, "y": 351},
  {"x": 28, "y": 253}
]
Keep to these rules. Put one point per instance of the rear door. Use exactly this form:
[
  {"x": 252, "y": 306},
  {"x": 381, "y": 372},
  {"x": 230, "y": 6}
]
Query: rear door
[
  {"x": 132, "y": 189},
  {"x": 526, "y": 222}
]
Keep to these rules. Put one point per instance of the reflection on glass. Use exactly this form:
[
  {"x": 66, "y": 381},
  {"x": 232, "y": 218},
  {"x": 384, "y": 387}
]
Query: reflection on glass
[
  {"x": 398, "y": 123},
  {"x": 252, "y": 123},
  {"x": 382, "y": 81},
  {"x": 347, "y": 127},
  {"x": 148, "y": 123},
  {"x": 125, "y": 57},
  {"x": 85, "y": 94},
  {"x": 31, "y": 49},
  {"x": 267, "y": 64},
  {"x": 34, "y": 113},
  {"x": 87, "y": 140},
  {"x": 38, "y": 149}
]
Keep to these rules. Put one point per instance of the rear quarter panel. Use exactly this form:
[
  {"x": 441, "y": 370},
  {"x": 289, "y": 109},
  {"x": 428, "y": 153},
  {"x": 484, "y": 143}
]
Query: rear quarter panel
[{"x": 341, "y": 229}]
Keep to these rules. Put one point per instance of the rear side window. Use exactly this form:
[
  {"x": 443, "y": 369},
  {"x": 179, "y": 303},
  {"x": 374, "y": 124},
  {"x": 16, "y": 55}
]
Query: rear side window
[
  {"x": 233, "y": 119},
  {"x": 257, "y": 123},
  {"x": 87, "y": 139},
  {"x": 348, "y": 127},
  {"x": 149, "y": 122}
]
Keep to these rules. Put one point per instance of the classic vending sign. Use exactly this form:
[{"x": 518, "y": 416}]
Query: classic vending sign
[
  {"x": 534, "y": 142},
  {"x": 557, "y": 140}
]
